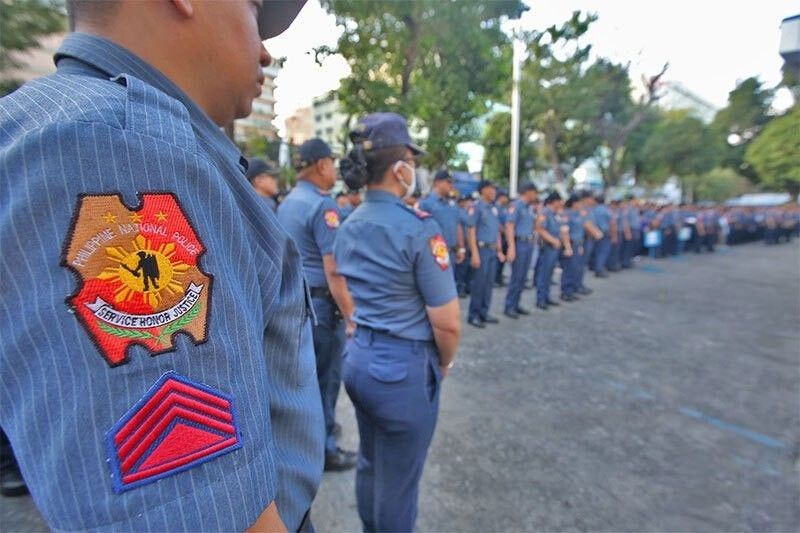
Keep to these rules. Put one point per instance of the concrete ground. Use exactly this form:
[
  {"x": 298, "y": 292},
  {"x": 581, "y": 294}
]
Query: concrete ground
[{"x": 669, "y": 400}]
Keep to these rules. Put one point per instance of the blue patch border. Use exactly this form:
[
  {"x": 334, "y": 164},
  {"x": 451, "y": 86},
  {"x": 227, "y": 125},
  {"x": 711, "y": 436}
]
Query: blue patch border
[{"x": 116, "y": 470}]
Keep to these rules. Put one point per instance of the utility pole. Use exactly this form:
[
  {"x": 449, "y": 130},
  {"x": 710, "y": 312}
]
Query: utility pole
[{"x": 515, "y": 110}]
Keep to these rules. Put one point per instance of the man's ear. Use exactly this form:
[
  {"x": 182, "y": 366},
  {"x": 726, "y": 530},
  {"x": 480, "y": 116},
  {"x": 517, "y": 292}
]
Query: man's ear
[{"x": 184, "y": 7}]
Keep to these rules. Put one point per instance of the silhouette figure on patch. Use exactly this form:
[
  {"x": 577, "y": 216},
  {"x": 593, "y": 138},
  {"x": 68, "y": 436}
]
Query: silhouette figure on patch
[{"x": 148, "y": 267}]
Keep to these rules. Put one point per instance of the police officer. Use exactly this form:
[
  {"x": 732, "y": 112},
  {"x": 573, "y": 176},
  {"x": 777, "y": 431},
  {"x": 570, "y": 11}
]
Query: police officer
[
  {"x": 463, "y": 269},
  {"x": 601, "y": 217},
  {"x": 483, "y": 237},
  {"x": 501, "y": 201},
  {"x": 632, "y": 233},
  {"x": 549, "y": 227},
  {"x": 123, "y": 150},
  {"x": 311, "y": 218},
  {"x": 398, "y": 269},
  {"x": 571, "y": 264},
  {"x": 264, "y": 179},
  {"x": 591, "y": 235},
  {"x": 445, "y": 211},
  {"x": 520, "y": 236}
]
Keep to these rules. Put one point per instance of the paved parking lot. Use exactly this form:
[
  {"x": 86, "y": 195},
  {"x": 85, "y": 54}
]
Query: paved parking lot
[{"x": 668, "y": 400}]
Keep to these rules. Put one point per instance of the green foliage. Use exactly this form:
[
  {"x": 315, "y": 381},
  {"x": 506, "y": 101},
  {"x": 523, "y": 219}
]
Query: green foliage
[
  {"x": 720, "y": 184},
  {"x": 22, "y": 24},
  {"x": 557, "y": 100},
  {"x": 775, "y": 153},
  {"x": 497, "y": 144},
  {"x": 436, "y": 62},
  {"x": 743, "y": 118},
  {"x": 681, "y": 145}
]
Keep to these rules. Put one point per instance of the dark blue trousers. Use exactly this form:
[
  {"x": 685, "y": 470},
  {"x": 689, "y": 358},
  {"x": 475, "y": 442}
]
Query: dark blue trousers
[
  {"x": 329, "y": 339},
  {"x": 394, "y": 385},
  {"x": 548, "y": 257},
  {"x": 629, "y": 250},
  {"x": 601, "y": 250},
  {"x": 519, "y": 271},
  {"x": 462, "y": 273},
  {"x": 571, "y": 271},
  {"x": 482, "y": 282},
  {"x": 613, "y": 261},
  {"x": 588, "y": 252}
]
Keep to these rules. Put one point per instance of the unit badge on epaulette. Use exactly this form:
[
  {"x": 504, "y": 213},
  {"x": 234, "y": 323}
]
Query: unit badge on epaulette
[
  {"x": 440, "y": 252},
  {"x": 139, "y": 272}
]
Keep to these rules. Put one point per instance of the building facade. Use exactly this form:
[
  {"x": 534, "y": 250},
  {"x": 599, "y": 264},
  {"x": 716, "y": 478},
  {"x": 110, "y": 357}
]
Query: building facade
[
  {"x": 328, "y": 121},
  {"x": 299, "y": 127},
  {"x": 259, "y": 123},
  {"x": 675, "y": 96}
]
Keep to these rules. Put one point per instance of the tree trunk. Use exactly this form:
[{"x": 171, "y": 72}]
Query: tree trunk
[{"x": 410, "y": 55}]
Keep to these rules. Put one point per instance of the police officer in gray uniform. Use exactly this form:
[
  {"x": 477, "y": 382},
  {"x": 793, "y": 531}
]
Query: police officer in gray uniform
[
  {"x": 483, "y": 236},
  {"x": 311, "y": 217},
  {"x": 398, "y": 270},
  {"x": 520, "y": 237}
]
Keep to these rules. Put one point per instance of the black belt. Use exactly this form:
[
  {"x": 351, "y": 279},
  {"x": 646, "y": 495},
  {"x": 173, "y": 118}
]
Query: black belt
[
  {"x": 490, "y": 245},
  {"x": 524, "y": 239},
  {"x": 453, "y": 249},
  {"x": 321, "y": 292}
]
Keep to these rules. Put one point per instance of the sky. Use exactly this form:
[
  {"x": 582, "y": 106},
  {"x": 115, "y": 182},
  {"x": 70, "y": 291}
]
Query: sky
[{"x": 710, "y": 44}]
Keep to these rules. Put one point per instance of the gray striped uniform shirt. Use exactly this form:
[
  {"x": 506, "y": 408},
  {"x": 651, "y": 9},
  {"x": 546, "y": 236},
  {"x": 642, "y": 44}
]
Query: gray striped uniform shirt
[{"x": 157, "y": 370}]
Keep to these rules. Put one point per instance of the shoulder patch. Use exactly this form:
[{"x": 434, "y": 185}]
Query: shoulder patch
[
  {"x": 332, "y": 218},
  {"x": 139, "y": 273},
  {"x": 439, "y": 251},
  {"x": 422, "y": 214},
  {"x": 177, "y": 425}
]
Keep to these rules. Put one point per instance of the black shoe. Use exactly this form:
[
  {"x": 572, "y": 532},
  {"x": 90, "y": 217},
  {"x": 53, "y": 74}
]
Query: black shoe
[
  {"x": 552, "y": 303},
  {"x": 11, "y": 483},
  {"x": 542, "y": 306},
  {"x": 490, "y": 320},
  {"x": 511, "y": 314},
  {"x": 601, "y": 274},
  {"x": 337, "y": 429},
  {"x": 585, "y": 291},
  {"x": 476, "y": 323},
  {"x": 569, "y": 298},
  {"x": 522, "y": 311},
  {"x": 340, "y": 460}
]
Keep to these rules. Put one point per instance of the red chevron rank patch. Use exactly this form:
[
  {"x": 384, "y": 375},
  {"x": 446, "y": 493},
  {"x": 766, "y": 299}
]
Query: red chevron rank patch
[{"x": 177, "y": 425}]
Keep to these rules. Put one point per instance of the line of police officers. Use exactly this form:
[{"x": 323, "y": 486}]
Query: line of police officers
[{"x": 388, "y": 279}]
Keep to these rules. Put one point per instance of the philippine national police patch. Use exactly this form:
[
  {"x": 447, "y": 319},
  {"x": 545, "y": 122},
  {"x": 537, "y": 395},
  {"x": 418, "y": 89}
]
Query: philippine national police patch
[
  {"x": 332, "y": 218},
  {"x": 177, "y": 425},
  {"x": 139, "y": 271},
  {"x": 440, "y": 252}
]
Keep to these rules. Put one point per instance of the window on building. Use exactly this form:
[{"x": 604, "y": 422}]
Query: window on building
[
  {"x": 328, "y": 130},
  {"x": 318, "y": 133},
  {"x": 328, "y": 116}
]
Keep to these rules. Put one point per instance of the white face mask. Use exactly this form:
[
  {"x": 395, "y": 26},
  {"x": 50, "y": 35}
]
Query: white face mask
[{"x": 409, "y": 188}]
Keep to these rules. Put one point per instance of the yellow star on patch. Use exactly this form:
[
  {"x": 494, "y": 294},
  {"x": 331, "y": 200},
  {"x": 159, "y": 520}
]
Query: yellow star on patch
[
  {"x": 136, "y": 217},
  {"x": 161, "y": 216},
  {"x": 109, "y": 218}
]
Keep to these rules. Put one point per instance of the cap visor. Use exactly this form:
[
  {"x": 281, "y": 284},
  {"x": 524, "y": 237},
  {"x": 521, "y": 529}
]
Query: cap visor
[
  {"x": 277, "y": 15},
  {"x": 416, "y": 149}
]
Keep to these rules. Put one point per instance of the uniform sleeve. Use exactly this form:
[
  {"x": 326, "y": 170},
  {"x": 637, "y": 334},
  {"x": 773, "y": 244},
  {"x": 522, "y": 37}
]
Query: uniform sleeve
[
  {"x": 324, "y": 225},
  {"x": 76, "y": 380},
  {"x": 473, "y": 215},
  {"x": 432, "y": 268},
  {"x": 514, "y": 214}
]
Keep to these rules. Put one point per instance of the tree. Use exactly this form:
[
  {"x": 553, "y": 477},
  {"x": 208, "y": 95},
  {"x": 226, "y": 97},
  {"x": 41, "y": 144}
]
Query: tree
[
  {"x": 738, "y": 123},
  {"x": 497, "y": 143},
  {"x": 438, "y": 63},
  {"x": 720, "y": 184},
  {"x": 775, "y": 153},
  {"x": 22, "y": 24},
  {"x": 680, "y": 145},
  {"x": 617, "y": 115},
  {"x": 555, "y": 102}
]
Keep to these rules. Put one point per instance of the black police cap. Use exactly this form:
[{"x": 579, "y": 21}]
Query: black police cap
[
  {"x": 552, "y": 197},
  {"x": 274, "y": 16},
  {"x": 312, "y": 151},
  {"x": 383, "y": 130},
  {"x": 257, "y": 166},
  {"x": 527, "y": 186},
  {"x": 443, "y": 175},
  {"x": 485, "y": 183}
]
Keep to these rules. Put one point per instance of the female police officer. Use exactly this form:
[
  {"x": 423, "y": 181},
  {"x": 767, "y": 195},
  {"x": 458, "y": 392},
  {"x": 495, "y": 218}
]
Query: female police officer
[{"x": 398, "y": 270}]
